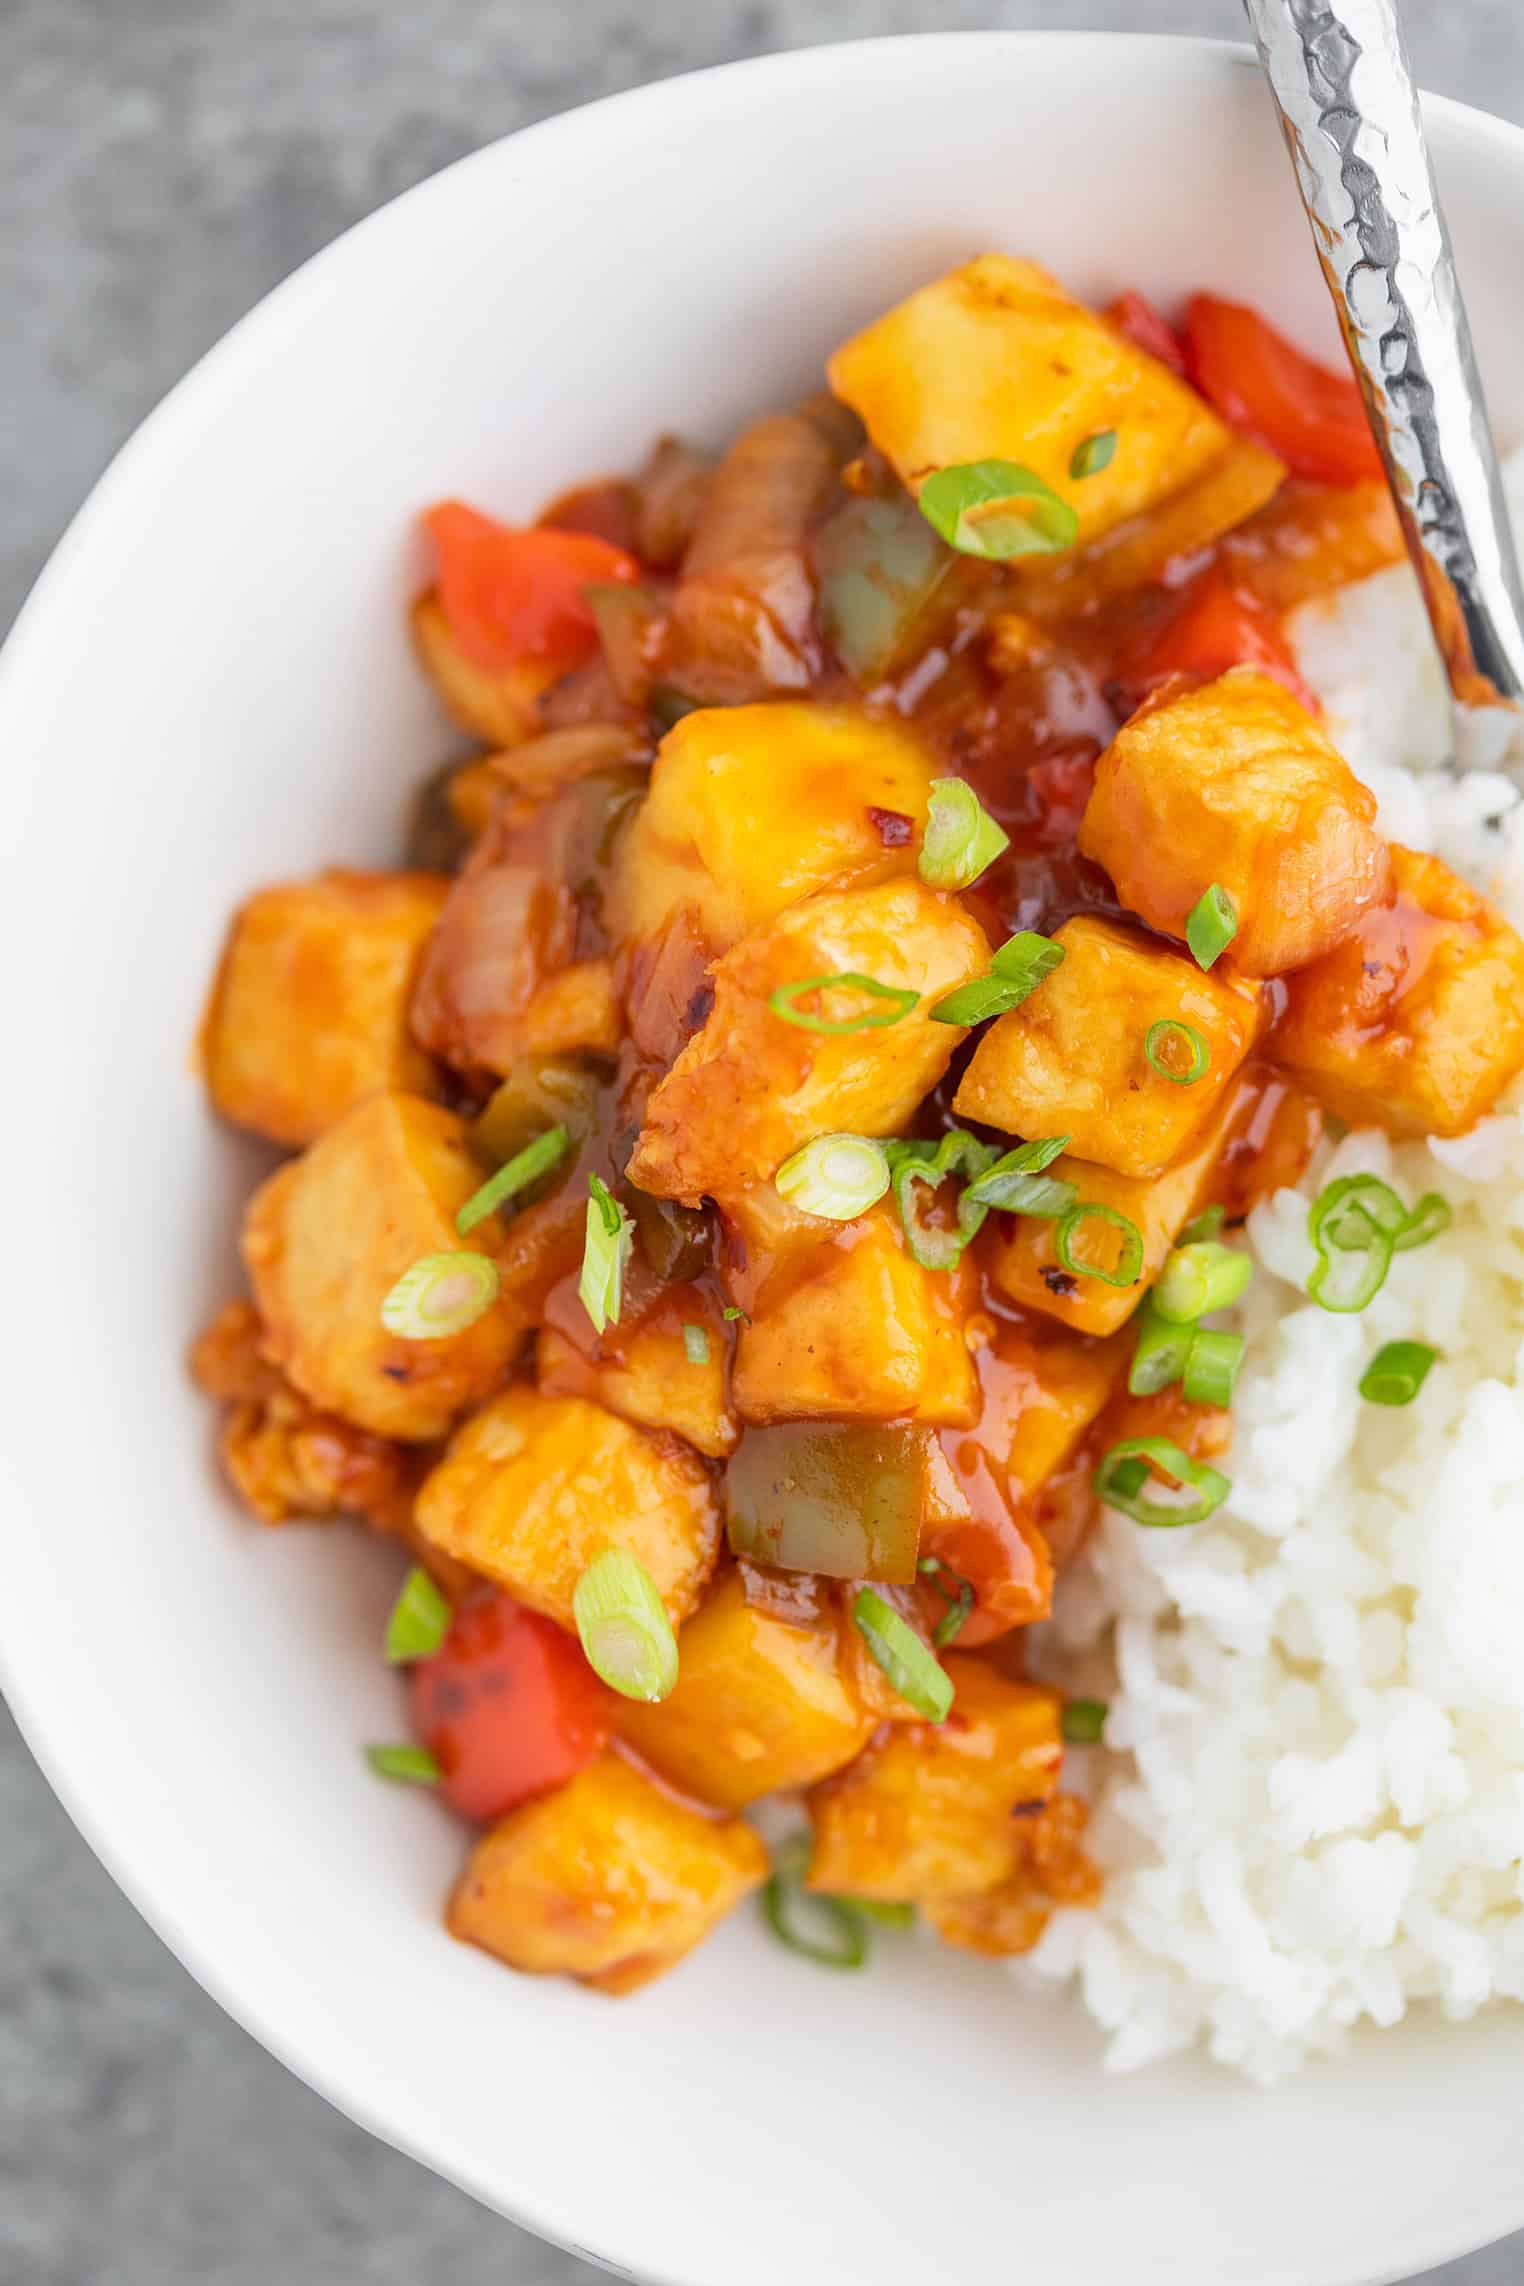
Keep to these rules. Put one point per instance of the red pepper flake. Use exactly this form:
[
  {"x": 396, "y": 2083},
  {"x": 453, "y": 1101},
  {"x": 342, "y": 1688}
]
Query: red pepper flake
[
  {"x": 1058, "y": 1281},
  {"x": 893, "y": 828}
]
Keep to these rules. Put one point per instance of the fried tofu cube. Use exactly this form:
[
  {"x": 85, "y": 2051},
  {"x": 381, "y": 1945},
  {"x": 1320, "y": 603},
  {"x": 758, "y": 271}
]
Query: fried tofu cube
[
  {"x": 996, "y": 361},
  {"x": 754, "y": 807},
  {"x": 1054, "y": 1869},
  {"x": 1072, "y": 1059},
  {"x": 309, "y": 1012},
  {"x": 644, "y": 1372},
  {"x": 1023, "y": 1260},
  {"x": 932, "y": 1810},
  {"x": 844, "y": 1324},
  {"x": 533, "y": 1487},
  {"x": 751, "y": 1087},
  {"x": 609, "y": 1880},
  {"x": 1415, "y": 1022},
  {"x": 328, "y": 1236},
  {"x": 760, "y": 1705},
  {"x": 1234, "y": 783},
  {"x": 498, "y": 705}
]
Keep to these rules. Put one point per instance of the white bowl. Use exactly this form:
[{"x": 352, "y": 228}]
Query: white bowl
[{"x": 211, "y": 688}]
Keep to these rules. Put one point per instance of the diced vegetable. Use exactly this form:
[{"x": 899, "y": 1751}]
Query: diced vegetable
[
  {"x": 508, "y": 1707},
  {"x": 1218, "y": 625},
  {"x": 1314, "y": 419},
  {"x": 510, "y": 595},
  {"x": 835, "y": 1498},
  {"x": 884, "y": 584},
  {"x": 1134, "y": 316},
  {"x": 535, "y": 1098}
]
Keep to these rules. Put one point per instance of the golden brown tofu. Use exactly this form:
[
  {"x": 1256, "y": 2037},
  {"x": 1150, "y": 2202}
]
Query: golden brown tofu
[
  {"x": 1072, "y": 1060},
  {"x": 1022, "y": 1257},
  {"x": 308, "y": 1015},
  {"x": 328, "y": 1236},
  {"x": 533, "y": 1487},
  {"x": 610, "y": 1880},
  {"x": 500, "y": 706},
  {"x": 644, "y": 1372},
  {"x": 1234, "y": 783},
  {"x": 754, "y": 807},
  {"x": 844, "y": 1325},
  {"x": 1416, "y": 1022},
  {"x": 927, "y": 1811},
  {"x": 759, "y": 1705},
  {"x": 1054, "y": 1869},
  {"x": 996, "y": 361},
  {"x": 751, "y": 1087}
]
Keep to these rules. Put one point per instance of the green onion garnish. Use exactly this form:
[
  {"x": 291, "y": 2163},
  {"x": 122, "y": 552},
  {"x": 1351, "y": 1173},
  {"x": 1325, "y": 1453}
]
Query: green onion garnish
[
  {"x": 1431, "y": 1215},
  {"x": 1357, "y": 1224},
  {"x": 1212, "y": 1367},
  {"x": 1161, "y": 1354},
  {"x": 1176, "y": 1051},
  {"x": 840, "y": 1938},
  {"x": 1199, "y": 1279},
  {"x": 605, "y": 1251},
  {"x": 888, "y": 1912},
  {"x": 1092, "y": 454},
  {"x": 837, "y": 1176},
  {"x": 913, "y": 1162},
  {"x": 1015, "y": 972},
  {"x": 1397, "y": 1372},
  {"x": 1119, "y": 1485},
  {"x": 960, "y": 1598},
  {"x": 525, "y": 1167},
  {"x": 1017, "y": 1184},
  {"x": 1207, "y": 1224},
  {"x": 624, "y": 1628},
  {"x": 1129, "y": 1266},
  {"x": 420, "y": 1619},
  {"x": 410, "y": 1765},
  {"x": 440, "y": 1296},
  {"x": 695, "y": 1345},
  {"x": 782, "y": 1003},
  {"x": 1211, "y": 925},
  {"x": 895, "y": 1647},
  {"x": 1082, "y": 1721},
  {"x": 733, "y": 1310},
  {"x": 997, "y": 509},
  {"x": 961, "y": 840}
]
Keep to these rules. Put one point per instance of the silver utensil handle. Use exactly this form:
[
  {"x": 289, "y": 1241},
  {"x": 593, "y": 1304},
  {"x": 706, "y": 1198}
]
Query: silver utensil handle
[{"x": 1349, "y": 113}]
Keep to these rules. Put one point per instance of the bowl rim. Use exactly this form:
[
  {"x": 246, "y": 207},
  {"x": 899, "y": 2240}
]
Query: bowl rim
[{"x": 132, "y": 470}]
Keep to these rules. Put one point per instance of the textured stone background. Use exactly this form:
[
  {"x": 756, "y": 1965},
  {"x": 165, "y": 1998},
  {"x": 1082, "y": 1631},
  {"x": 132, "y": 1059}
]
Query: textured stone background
[{"x": 162, "y": 163}]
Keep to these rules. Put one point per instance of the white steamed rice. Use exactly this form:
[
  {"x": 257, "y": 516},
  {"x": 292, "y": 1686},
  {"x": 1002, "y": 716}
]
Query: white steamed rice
[{"x": 1311, "y": 1803}]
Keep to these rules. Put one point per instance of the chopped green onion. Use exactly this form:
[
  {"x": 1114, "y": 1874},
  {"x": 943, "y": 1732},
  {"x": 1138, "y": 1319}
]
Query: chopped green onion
[
  {"x": 411, "y": 1765},
  {"x": 895, "y": 1647},
  {"x": 525, "y": 1167},
  {"x": 961, "y": 840},
  {"x": 1176, "y": 1051},
  {"x": 1094, "y": 453},
  {"x": 1397, "y": 1372},
  {"x": 1015, "y": 972},
  {"x": 841, "y": 1938},
  {"x": 1129, "y": 1265},
  {"x": 733, "y": 1310},
  {"x": 1016, "y": 1183},
  {"x": 1431, "y": 1215},
  {"x": 420, "y": 1619},
  {"x": 1161, "y": 1354},
  {"x": 605, "y": 1251},
  {"x": 1118, "y": 1485},
  {"x": 1207, "y": 1224},
  {"x": 1211, "y": 925},
  {"x": 440, "y": 1296},
  {"x": 1199, "y": 1279},
  {"x": 888, "y": 1912},
  {"x": 624, "y": 1628},
  {"x": 1357, "y": 1224},
  {"x": 997, "y": 509},
  {"x": 695, "y": 1345},
  {"x": 960, "y": 1598},
  {"x": 782, "y": 1003},
  {"x": 1083, "y": 1721},
  {"x": 1212, "y": 1367},
  {"x": 914, "y": 1161},
  {"x": 837, "y": 1176}
]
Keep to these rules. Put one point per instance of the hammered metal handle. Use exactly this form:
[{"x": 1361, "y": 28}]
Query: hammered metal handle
[{"x": 1349, "y": 112}]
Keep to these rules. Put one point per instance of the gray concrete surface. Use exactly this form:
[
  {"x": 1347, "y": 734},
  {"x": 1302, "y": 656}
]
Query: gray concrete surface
[{"x": 162, "y": 163}]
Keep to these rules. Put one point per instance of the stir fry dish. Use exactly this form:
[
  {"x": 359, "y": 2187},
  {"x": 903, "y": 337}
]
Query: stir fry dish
[{"x": 765, "y": 1167}]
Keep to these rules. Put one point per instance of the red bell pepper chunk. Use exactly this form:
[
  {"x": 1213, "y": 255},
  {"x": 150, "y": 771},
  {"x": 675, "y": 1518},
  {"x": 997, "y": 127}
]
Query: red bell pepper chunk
[
  {"x": 1134, "y": 315},
  {"x": 511, "y": 595},
  {"x": 508, "y": 1707},
  {"x": 1262, "y": 385},
  {"x": 1218, "y": 626}
]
